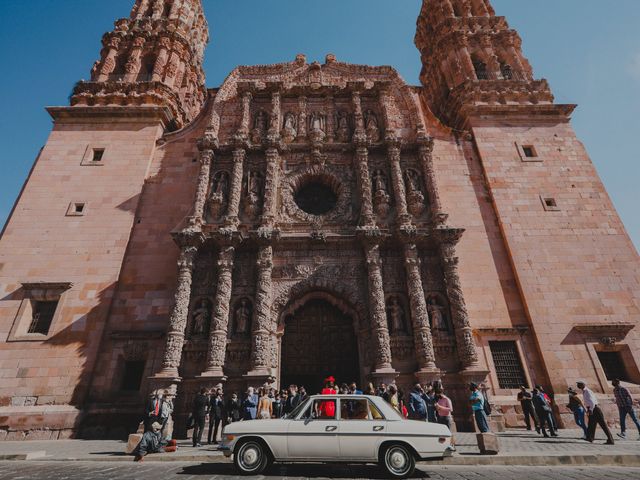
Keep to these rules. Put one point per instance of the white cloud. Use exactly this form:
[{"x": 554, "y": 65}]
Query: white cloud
[{"x": 634, "y": 66}]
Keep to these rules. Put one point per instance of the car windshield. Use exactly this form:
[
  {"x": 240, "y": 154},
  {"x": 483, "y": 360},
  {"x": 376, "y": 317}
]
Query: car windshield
[{"x": 296, "y": 411}]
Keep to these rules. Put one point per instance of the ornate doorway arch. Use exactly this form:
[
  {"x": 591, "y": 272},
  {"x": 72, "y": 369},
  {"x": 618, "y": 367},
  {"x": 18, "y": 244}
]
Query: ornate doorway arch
[{"x": 318, "y": 339}]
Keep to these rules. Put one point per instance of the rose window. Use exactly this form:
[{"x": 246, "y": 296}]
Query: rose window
[{"x": 316, "y": 198}]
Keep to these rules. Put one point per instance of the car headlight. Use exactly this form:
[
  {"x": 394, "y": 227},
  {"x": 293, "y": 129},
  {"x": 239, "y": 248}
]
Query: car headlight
[{"x": 229, "y": 438}]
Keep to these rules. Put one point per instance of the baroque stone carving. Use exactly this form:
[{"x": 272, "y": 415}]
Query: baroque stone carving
[
  {"x": 289, "y": 131},
  {"x": 317, "y": 127},
  {"x": 260, "y": 126},
  {"x": 438, "y": 313},
  {"x": 396, "y": 315},
  {"x": 253, "y": 194},
  {"x": 415, "y": 197},
  {"x": 343, "y": 132},
  {"x": 242, "y": 317},
  {"x": 219, "y": 194},
  {"x": 381, "y": 198},
  {"x": 371, "y": 126},
  {"x": 201, "y": 317}
]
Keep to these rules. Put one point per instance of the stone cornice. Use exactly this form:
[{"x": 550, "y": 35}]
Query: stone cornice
[{"x": 120, "y": 114}]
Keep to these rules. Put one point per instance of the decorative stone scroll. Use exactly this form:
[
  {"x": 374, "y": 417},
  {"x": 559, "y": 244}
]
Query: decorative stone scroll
[
  {"x": 219, "y": 326},
  {"x": 179, "y": 314}
]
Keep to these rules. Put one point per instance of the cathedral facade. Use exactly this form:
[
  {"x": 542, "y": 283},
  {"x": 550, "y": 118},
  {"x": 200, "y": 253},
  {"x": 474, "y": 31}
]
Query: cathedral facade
[{"x": 306, "y": 219}]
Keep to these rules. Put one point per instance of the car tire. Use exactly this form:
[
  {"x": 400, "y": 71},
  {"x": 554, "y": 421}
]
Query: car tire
[
  {"x": 398, "y": 460},
  {"x": 251, "y": 457}
]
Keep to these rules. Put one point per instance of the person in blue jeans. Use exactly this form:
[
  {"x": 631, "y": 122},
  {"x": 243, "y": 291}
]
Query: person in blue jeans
[
  {"x": 477, "y": 405},
  {"x": 624, "y": 401},
  {"x": 577, "y": 407}
]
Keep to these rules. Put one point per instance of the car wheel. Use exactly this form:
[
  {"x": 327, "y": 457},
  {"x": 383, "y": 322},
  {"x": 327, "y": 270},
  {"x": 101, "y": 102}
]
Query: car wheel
[
  {"x": 251, "y": 458},
  {"x": 398, "y": 461}
]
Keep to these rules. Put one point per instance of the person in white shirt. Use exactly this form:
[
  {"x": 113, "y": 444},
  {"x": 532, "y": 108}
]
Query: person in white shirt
[{"x": 595, "y": 414}]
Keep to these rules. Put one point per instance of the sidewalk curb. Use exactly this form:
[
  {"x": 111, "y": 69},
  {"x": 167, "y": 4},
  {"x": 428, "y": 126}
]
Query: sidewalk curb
[{"x": 456, "y": 461}]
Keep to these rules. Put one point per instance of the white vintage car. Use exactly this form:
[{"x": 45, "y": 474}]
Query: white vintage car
[{"x": 337, "y": 428}]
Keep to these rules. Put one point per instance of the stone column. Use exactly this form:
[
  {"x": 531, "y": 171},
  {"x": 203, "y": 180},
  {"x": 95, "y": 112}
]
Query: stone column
[
  {"x": 275, "y": 121},
  {"x": 245, "y": 123},
  {"x": 206, "y": 157},
  {"x": 397, "y": 179},
  {"x": 179, "y": 314},
  {"x": 220, "y": 322},
  {"x": 133, "y": 63},
  {"x": 109, "y": 60},
  {"x": 270, "y": 189},
  {"x": 302, "y": 117},
  {"x": 263, "y": 330},
  {"x": 161, "y": 59},
  {"x": 466, "y": 346},
  {"x": 367, "y": 217},
  {"x": 330, "y": 121},
  {"x": 421, "y": 329},
  {"x": 378, "y": 312},
  {"x": 425, "y": 154},
  {"x": 235, "y": 191}
]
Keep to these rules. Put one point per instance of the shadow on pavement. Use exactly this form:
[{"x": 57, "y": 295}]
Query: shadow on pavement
[{"x": 301, "y": 470}]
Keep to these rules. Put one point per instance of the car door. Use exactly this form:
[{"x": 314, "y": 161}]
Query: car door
[
  {"x": 314, "y": 435},
  {"x": 362, "y": 427}
]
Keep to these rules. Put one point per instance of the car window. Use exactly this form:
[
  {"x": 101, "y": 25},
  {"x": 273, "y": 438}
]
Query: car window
[
  {"x": 321, "y": 410},
  {"x": 354, "y": 409},
  {"x": 301, "y": 406},
  {"x": 375, "y": 413}
]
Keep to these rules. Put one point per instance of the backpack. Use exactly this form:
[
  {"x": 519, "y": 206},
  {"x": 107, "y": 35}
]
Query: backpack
[{"x": 486, "y": 405}]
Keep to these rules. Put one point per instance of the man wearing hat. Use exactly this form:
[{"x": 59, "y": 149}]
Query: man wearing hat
[
  {"x": 529, "y": 412},
  {"x": 624, "y": 401},
  {"x": 577, "y": 407},
  {"x": 477, "y": 405},
  {"x": 596, "y": 417}
]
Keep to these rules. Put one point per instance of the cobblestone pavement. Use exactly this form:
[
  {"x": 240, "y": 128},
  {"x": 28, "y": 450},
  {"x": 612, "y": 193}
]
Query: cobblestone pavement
[{"x": 187, "y": 471}]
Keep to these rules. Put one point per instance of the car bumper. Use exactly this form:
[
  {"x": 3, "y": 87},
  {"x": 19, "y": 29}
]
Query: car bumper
[{"x": 226, "y": 450}]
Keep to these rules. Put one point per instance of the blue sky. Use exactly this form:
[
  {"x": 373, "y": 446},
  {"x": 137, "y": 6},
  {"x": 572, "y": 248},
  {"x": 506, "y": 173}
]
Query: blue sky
[{"x": 589, "y": 50}]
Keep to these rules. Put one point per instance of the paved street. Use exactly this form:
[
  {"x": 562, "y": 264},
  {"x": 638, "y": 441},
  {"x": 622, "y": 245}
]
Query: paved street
[{"x": 185, "y": 471}]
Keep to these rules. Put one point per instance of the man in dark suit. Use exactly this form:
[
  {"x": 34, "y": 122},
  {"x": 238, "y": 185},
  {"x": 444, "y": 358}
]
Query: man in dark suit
[
  {"x": 199, "y": 413},
  {"x": 293, "y": 399},
  {"x": 217, "y": 415}
]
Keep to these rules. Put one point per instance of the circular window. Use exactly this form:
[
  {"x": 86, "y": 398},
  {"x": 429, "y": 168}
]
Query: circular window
[{"x": 316, "y": 198}]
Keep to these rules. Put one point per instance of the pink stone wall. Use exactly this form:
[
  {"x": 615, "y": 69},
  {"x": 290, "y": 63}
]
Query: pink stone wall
[
  {"x": 574, "y": 266},
  {"x": 41, "y": 243}
]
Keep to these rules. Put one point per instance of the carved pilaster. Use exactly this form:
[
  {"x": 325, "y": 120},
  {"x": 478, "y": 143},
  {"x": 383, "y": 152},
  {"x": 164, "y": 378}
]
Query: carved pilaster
[
  {"x": 263, "y": 328},
  {"x": 245, "y": 123},
  {"x": 367, "y": 218},
  {"x": 275, "y": 121},
  {"x": 235, "y": 191},
  {"x": 133, "y": 63},
  {"x": 206, "y": 157},
  {"x": 467, "y": 351},
  {"x": 179, "y": 314},
  {"x": 359, "y": 135},
  {"x": 421, "y": 329},
  {"x": 109, "y": 58},
  {"x": 302, "y": 118},
  {"x": 220, "y": 322},
  {"x": 399, "y": 190},
  {"x": 161, "y": 59},
  {"x": 425, "y": 152},
  {"x": 378, "y": 314},
  {"x": 270, "y": 189}
]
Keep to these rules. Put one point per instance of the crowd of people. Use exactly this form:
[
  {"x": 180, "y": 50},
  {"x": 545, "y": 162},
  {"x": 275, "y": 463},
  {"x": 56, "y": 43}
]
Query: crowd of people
[{"x": 537, "y": 407}]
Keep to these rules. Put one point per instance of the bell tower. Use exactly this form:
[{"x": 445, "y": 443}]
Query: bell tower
[
  {"x": 152, "y": 58},
  {"x": 472, "y": 58}
]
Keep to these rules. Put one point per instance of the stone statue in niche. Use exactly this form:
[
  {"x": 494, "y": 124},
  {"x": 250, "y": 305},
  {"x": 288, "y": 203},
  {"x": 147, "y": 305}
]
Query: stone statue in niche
[
  {"x": 242, "y": 317},
  {"x": 343, "y": 132},
  {"x": 381, "y": 198},
  {"x": 371, "y": 126},
  {"x": 415, "y": 197},
  {"x": 253, "y": 193},
  {"x": 219, "y": 194},
  {"x": 395, "y": 316},
  {"x": 317, "y": 127},
  {"x": 437, "y": 315},
  {"x": 289, "y": 131},
  {"x": 200, "y": 318},
  {"x": 260, "y": 126}
]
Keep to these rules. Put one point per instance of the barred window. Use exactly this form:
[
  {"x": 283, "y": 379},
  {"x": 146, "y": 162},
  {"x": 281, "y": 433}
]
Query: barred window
[
  {"x": 613, "y": 365},
  {"x": 42, "y": 317},
  {"x": 508, "y": 365}
]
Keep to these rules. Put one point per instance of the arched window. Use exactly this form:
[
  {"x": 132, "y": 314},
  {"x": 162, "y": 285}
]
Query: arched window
[
  {"x": 146, "y": 68},
  {"x": 506, "y": 71},
  {"x": 481, "y": 70}
]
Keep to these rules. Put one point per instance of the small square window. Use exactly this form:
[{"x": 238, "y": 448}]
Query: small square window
[
  {"x": 98, "y": 153},
  {"x": 76, "y": 209},
  {"x": 528, "y": 153},
  {"x": 132, "y": 375},
  {"x": 42, "y": 316},
  {"x": 549, "y": 203}
]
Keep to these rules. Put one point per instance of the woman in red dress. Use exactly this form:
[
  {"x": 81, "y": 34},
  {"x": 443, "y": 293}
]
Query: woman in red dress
[{"x": 328, "y": 409}]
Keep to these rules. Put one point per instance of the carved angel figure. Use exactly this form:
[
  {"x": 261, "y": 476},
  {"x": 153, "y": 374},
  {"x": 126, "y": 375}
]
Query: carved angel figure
[
  {"x": 221, "y": 183},
  {"x": 289, "y": 131},
  {"x": 395, "y": 313},
  {"x": 343, "y": 130},
  {"x": 379, "y": 181},
  {"x": 200, "y": 318},
  {"x": 436, "y": 315},
  {"x": 242, "y": 317},
  {"x": 413, "y": 181},
  {"x": 317, "y": 122},
  {"x": 371, "y": 126}
]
